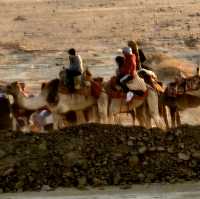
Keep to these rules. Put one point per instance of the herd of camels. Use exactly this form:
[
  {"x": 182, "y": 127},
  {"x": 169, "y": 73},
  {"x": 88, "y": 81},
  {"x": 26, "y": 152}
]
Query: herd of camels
[{"x": 105, "y": 108}]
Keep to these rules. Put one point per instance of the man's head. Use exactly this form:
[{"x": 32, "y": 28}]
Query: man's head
[
  {"x": 127, "y": 50},
  {"x": 119, "y": 60},
  {"x": 72, "y": 51}
]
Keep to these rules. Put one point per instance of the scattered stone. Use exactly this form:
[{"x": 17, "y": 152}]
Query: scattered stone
[
  {"x": 82, "y": 182},
  {"x": 130, "y": 143},
  {"x": 46, "y": 188},
  {"x": 183, "y": 156},
  {"x": 116, "y": 179},
  {"x": 133, "y": 161},
  {"x": 160, "y": 148},
  {"x": 182, "y": 145},
  {"x": 170, "y": 150},
  {"x": 19, "y": 18},
  {"x": 178, "y": 132},
  {"x": 141, "y": 176},
  {"x": 142, "y": 149},
  {"x": 153, "y": 148},
  {"x": 196, "y": 155},
  {"x": 126, "y": 186},
  {"x": 2, "y": 154}
]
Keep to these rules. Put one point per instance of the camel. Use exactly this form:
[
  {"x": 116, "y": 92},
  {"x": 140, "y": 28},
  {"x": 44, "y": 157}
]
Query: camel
[
  {"x": 147, "y": 104},
  {"x": 186, "y": 96},
  {"x": 151, "y": 79},
  {"x": 57, "y": 102},
  {"x": 17, "y": 123},
  {"x": 61, "y": 103},
  {"x": 180, "y": 103},
  {"x": 23, "y": 106}
]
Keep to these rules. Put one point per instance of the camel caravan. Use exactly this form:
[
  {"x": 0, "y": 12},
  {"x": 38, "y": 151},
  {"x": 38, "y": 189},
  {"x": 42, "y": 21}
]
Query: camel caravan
[{"x": 77, "y": 97}]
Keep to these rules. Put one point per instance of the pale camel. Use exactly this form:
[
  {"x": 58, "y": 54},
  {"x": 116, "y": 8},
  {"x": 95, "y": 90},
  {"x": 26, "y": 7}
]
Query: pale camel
[
  {"x": 57, "y": 102},
  {"x": 151, "y": 79},
  {"x": 148, "y": 107},
  {"x": 22, "y": 105},
  {"x": 62, "y": 103}
]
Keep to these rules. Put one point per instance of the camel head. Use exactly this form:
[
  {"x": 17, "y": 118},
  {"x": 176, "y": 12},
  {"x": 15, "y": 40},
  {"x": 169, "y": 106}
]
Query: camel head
[
  {"x": 87, "y": 75},
  {"x": 15, "y": 88}
]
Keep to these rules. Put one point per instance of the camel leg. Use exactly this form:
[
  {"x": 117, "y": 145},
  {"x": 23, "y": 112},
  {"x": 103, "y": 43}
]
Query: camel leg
[
  {"x": 14, "y": 124},
  {"x": 26, "y": 127},
  {"x": 80, "y": 117},
  {"x": 111, "y": 119},
  {"x": 173, "y": 118},
  {"x": 178, "y": 118},
  {"x": 93, "y": 114},
  {"x": 55, "y": 121},
  {"x": 152, "y": 102},
  {"x": 147, "y": 116},
  {"x": 141, "y": 117},
  {"x": 102, "y": 105},
  {"x": 133, "y": 115},
  {"x": 114, "y": 118},
  {"x": 163, "y": 113}
]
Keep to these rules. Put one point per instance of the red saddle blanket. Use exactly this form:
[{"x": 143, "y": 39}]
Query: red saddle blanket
[
  {"x": 112, "y": 91},
  {"x": 94, "y": 90}
]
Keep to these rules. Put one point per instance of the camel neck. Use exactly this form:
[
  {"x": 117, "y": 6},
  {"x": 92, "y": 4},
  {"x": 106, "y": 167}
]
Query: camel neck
[{"x": 29, "y": 103}]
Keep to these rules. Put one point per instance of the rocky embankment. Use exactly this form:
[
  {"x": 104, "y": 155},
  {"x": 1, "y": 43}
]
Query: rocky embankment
[{"x": 98, "y": 155}]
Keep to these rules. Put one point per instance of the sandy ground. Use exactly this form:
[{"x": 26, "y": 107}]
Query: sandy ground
[
  {"x": 98, "y": 27},
  {"x": 35, "y": 33},
  {"x": 155, "y": 191}
]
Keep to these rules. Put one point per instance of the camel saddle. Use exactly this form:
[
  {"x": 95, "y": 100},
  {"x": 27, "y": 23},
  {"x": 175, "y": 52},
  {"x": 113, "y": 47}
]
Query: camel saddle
[
  {"x": 183, "y": 86},
  {"x": 113, "y": 91},
  {"x": 94, "y": 89}
]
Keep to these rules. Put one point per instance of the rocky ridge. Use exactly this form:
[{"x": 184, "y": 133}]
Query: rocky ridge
[{"x": 98, "y": 155}]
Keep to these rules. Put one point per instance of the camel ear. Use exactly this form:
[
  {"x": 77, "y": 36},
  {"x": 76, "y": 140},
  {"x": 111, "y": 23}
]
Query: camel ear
[
  {"x": 198, "y": 71},
  {"x": 43, "y": 85},
  {"x": 21, "y": 85}
]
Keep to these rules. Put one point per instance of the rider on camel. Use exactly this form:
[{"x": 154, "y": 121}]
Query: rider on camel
[
  {"x": 140, "y": 57},
  {"x": 74, "y": 71},
  {"x": 127, "y": 71}
]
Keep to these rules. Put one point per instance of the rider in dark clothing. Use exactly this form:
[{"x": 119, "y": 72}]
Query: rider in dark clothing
[
  {"x": 75, "y": 68},
  {"x": 140, "y": 57}
]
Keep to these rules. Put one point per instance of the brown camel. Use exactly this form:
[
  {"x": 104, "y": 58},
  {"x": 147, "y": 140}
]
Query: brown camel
[
  {"x": 183, "y": 94},
  {"x": 180, "y": 103}
]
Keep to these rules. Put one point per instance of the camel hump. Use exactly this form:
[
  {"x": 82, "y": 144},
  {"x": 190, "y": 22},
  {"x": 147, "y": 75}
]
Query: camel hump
[
  {"x": 94, "y": 89},
  {"x": 53, "y": 87}
]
